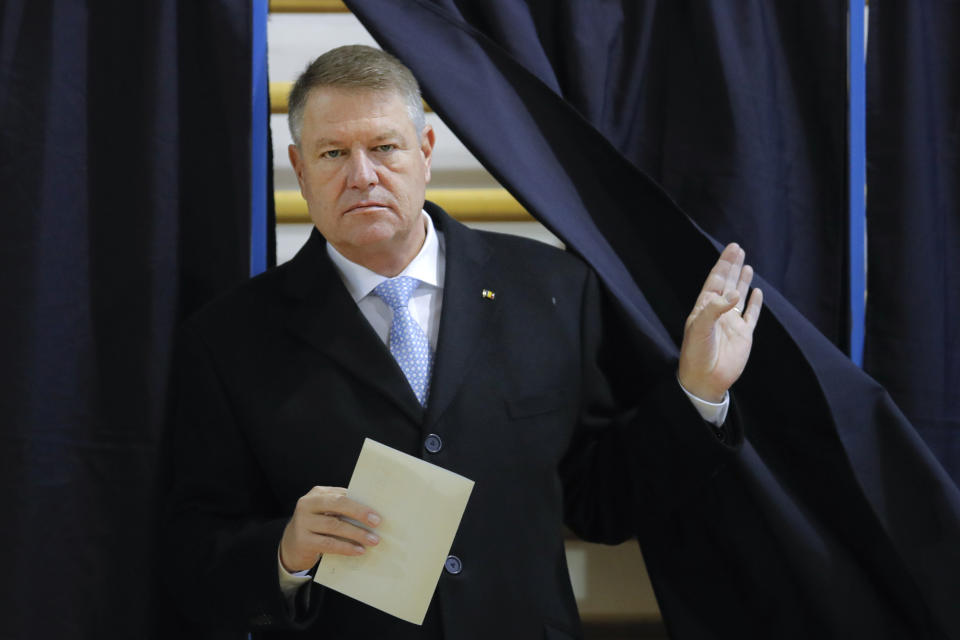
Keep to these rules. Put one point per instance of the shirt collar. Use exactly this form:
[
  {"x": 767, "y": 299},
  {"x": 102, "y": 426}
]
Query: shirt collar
[{"x": 360, "y": 281}]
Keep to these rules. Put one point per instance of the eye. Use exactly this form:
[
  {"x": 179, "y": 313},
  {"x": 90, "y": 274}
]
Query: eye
[
  {"x": 383, "y": 148},
  {"x": 332, "y": 153}
]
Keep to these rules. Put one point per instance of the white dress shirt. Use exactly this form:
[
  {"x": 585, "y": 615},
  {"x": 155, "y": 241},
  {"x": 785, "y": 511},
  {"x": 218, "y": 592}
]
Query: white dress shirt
[
  {"x": 428, "y": 266},
  {"x": 426, "y": 302}
]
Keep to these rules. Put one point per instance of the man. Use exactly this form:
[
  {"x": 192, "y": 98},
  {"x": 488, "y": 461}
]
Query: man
[{"x": 489, "y": 355}]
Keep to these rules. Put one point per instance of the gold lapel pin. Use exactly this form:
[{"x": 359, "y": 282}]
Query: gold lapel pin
[{"x": 489, "y": 295}]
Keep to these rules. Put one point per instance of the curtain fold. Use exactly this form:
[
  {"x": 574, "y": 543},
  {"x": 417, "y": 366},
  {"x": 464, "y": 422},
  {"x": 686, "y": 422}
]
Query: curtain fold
[
  {"x": 835, "y": 520},
  {"x": 123, "y": 160},
  {"x": 737, "y": 109},
  {"x": 912, "y": 343}
]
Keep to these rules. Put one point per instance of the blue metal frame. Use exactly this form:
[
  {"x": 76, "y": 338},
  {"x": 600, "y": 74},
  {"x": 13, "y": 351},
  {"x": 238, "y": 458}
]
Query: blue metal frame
[
  {"x": 856, "y": 64},
  {"x": 258, "y": 138}
]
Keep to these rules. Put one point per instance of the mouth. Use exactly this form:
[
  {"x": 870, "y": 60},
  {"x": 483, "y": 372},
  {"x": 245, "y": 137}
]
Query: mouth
[{"x": 366, "y": 206}]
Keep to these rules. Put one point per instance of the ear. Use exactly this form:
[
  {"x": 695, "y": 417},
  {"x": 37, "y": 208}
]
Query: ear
[
  {"x": 427, "y": 140},
  {"x": 297, "y": 163}
]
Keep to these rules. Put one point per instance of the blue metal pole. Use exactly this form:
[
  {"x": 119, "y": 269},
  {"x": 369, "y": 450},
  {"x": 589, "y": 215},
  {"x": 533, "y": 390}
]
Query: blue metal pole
[
  {"x": 856, "y": 64},
  {"x": 258, "y": 138}
]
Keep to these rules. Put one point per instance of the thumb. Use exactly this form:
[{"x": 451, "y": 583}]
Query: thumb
[{"x": 721, "y": 304}]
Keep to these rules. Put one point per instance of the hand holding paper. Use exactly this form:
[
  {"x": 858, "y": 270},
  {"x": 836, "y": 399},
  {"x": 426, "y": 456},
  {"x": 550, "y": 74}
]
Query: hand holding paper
[
  {"x": 318, "y": 527},
  {"x": 421, "y": 505}
]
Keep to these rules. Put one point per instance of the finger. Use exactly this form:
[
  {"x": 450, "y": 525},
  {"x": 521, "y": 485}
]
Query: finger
[
  {"x": 752, "y": 313},
  {"x": 729, "y": 253},
  {"x": 339, "y": 528},
  {"x": 736, "y": 267},
  {"x": 321, "y": 544},
  {"x": 717, "y": 278},
  {"x": 743, "y": 285},
  {"x": 334, "y": 500},
  {"x": 719, "y": 305}
]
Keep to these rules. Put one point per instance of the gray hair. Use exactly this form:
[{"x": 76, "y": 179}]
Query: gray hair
[{"x": 355, "y": 66}]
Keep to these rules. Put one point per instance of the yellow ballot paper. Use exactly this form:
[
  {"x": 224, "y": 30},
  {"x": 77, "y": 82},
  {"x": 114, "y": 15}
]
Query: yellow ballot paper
[{"x": 421, "y": 506}]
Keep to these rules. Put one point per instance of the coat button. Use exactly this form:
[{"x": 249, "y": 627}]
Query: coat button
[
  {"x": 453, "y": 565},
  {"x": 433, "y": 443}
]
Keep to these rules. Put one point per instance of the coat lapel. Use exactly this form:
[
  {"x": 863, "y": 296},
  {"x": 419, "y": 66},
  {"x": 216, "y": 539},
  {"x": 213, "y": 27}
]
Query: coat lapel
[
  {"x": 326, "y": 317},
  {"x": 465, "y": 313}
]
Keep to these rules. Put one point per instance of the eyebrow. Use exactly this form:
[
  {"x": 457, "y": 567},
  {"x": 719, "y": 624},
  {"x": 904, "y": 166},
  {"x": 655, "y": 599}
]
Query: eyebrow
[
  {"x": 333, "y": 142},
  {"x": 392, "y": 133},
  {"x": 326, "y": 142}
]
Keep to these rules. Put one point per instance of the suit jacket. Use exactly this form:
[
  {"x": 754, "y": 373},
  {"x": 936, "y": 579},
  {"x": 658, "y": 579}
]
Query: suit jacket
[{"x": 535, "y": 396}]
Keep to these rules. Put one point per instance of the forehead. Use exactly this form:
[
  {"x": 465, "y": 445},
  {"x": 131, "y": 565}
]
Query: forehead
[{"x": 343, "y": 111}]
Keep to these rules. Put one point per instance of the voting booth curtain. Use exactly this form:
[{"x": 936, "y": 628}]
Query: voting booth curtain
[
  {"x": 834, "y": 520},
  {"x": 912, "y": 342},
  {"x": 639, "y": 132},
  {"x": 124, "y": 169},
  {"x": 738, "y": 110}
]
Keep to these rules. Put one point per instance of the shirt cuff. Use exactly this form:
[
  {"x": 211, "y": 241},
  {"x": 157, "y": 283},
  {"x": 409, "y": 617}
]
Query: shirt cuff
[
  {"x": 713, "y": 412},
  {"x": 291, "y": 582}
]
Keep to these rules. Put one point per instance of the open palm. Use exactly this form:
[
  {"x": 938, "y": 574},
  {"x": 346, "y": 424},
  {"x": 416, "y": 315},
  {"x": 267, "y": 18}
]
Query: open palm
[{"x": 719, "y": 331}]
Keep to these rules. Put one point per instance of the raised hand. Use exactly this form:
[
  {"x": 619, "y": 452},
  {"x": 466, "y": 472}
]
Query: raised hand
[{"x": 719, "y": 331}]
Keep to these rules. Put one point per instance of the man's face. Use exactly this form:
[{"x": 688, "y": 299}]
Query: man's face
[{"x": 363, "y": 171}]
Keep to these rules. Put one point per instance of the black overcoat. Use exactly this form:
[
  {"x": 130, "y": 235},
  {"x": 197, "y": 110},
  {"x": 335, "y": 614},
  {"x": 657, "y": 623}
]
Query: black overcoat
[{"x": 536, "y": 395}]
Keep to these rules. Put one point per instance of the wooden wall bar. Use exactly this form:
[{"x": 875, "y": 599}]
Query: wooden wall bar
[{"x": 308, "y": 6}]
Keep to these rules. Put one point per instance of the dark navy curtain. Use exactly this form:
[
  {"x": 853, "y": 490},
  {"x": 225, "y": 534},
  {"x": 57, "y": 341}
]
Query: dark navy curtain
[
  {"x": 736, "y": 109},
  {"x": 913, "y": 215},
  {"x": 124, "y": 174},
  {"x": 834, "y": 520}
]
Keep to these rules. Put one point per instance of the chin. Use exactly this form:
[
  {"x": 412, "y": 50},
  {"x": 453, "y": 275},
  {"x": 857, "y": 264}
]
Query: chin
[{"x": 373, "y": 234}]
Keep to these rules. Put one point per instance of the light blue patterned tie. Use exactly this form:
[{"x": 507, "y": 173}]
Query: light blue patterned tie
[{"x": 408, "y": 343}]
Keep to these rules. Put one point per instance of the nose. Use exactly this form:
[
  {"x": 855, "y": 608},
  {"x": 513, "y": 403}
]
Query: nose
[{"x": 361, "y": 172}]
